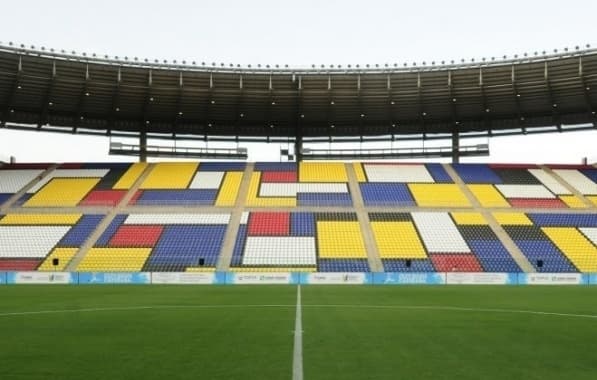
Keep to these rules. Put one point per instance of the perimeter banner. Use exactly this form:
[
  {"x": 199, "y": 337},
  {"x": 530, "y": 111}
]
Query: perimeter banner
[
  {"x": 481, "y": 278},
  {"x": 592, "y": 278},
  {"x": 183, "y": 278},
  {"x": 400, "y": 278},
  {"x": 115, "y": 278},
  {"x": 339, "y": 278},
  {"x": 41, "y": 278},
  {"x": 253, "y": 278},
  {"x": 2, "y": 278},
  {"x": 552, "y": 279}
]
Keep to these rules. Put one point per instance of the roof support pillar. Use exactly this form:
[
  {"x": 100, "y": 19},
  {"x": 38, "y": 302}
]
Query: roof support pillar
[
  {"x": 455, "y": 146},
  {"x": 143, "y": 145}
]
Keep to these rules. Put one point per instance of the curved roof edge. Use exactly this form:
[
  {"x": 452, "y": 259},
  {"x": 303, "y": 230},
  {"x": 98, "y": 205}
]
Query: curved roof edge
[{"x": 322, "y": 69}]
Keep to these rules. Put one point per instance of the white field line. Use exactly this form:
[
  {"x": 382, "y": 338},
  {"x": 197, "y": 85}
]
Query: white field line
[
  {"x": 345, "y": 306},
  {"x": 297, "y": 355}
]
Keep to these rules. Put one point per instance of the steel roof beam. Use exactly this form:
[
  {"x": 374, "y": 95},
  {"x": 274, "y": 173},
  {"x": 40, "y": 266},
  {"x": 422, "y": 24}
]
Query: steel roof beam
[
  {"x": 238, "y": 108},
  {"x": 16, "y": 85},
  {"x": 555, "y": 115},
  {"x": 390, "y": 106},
  {"x": 330, "y": 112},
  {"x": 270, "y": 106},
  {"x": 422, "y": 112},
  {"x": 587, "y": 93},
  {"x": 517, "y": 97},
  {"x": 208, "y": 103},
  {"x": 486, "y": 110},
  {"x": 115, "y": 103},
  {"x": 46, "y": 104},
  {"x": 360, "y": 105},
  {"x": 82, "y": 97},
  {"x": 179, "y": 113}
]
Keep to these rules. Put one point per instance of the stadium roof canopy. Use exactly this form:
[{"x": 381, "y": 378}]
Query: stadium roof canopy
[{"x": 47, "y": 90}]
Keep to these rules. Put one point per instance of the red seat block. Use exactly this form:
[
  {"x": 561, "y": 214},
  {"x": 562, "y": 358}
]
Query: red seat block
[
  {"x": 19, "y": 264},
  {"x": 103, "y": 198},
  {"x": 136, "y": 236},
  {"x": 456, "y": 263},
  {"x": 269, "y": 224},
  {"x": 279, "y": 177},
  {"x": 538, "y": 203}
]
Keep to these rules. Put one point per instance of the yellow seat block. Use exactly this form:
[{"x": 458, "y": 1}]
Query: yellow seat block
[
  {"x": 65, "y": 192},
  {"x": 572, "y": 201},
  {"x": 469, "y": 218},
  {"x": 132, "y": 174},
  {"x": 438, "y": 195},
  {"x": 114, "y": 259},
  {"x": 64, "y": 255},
  {"x": 340, "y": 240},
  {"x": 322, "y": 172},
  {"x": 170, "y": 175},
  {"x": 592, "y": 198},
  {"x": 360, "y": 173},
  {"x": 255, "y": 201},
  {"x": 40, "y": 219},
  {"x": 580, "y": 250},
  {"x": 398, "y": 240},
  {"x": 229, "y": 189},
  {"x": 488, "y": 196},
  {"x": 512, "y": 219}
]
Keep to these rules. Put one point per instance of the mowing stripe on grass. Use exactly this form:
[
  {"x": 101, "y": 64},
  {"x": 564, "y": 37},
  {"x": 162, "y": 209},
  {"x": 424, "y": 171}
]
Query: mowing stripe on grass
[
  {"x": 456, "y": 308},
  {"x": 297, "y": 355},
  {"x": 299, "y": 306}
]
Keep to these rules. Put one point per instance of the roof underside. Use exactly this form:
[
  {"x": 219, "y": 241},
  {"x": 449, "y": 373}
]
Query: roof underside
[{"x": 84, "y": 95}]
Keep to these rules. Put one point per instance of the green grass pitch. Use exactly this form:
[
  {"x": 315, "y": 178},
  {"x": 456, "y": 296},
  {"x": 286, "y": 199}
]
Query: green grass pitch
[{"x": 349, "y": 332}]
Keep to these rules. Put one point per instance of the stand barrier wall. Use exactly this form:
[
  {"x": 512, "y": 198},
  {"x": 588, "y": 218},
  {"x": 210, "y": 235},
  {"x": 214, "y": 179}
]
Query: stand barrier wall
[{"x": 317, "y": 278}]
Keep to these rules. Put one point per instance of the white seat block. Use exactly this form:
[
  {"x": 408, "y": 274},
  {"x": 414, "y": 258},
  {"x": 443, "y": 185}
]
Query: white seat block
[
  {"x": 244, "y": 217},
  {"x": 398, "y": 173},
  {"x": 439, "y": 233},
  {"x": 283, "y": 250},
  {"x": 291, "y": 189},
  {"x": 11, "y": 181},
  {"x": 29, "y": 241},
  {"x": 207, "y": 180},
  {"x": 578, "y": 180},
  {"x": 590, "y": 232},
  {"x": 550, "y": 182},
  {"x": 525, "y": 191},
  {"x": 160, "y": 219}
]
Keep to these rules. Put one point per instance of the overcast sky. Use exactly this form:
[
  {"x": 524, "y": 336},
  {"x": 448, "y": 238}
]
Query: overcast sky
[{"x": 301, "y": 33}]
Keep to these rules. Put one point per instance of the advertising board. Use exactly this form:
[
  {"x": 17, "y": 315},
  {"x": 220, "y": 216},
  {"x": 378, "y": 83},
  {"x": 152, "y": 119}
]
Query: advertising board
[
  {"x": 41, "y": 278},
  {"x": 115, "y": 278}
]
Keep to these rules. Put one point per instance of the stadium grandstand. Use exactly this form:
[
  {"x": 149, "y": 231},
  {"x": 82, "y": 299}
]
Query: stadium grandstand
[
  {"x": 301, "y": 214},
  {"x": 376, "y": 184}
]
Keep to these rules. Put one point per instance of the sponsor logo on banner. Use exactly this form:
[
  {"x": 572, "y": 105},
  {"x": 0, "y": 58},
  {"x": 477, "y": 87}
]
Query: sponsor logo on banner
[
  {"x": 115, "y": 278},
  {"x": 396, "y": 278},
  {"x": 336, "y": 278},
  {"x": 182, "y": 278},
  {"x": 261, "y": 278},
  {"x": 41, "y": 278},
  {"x": 466, "y": 278},
  {"x": 550, "y": 278}
]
